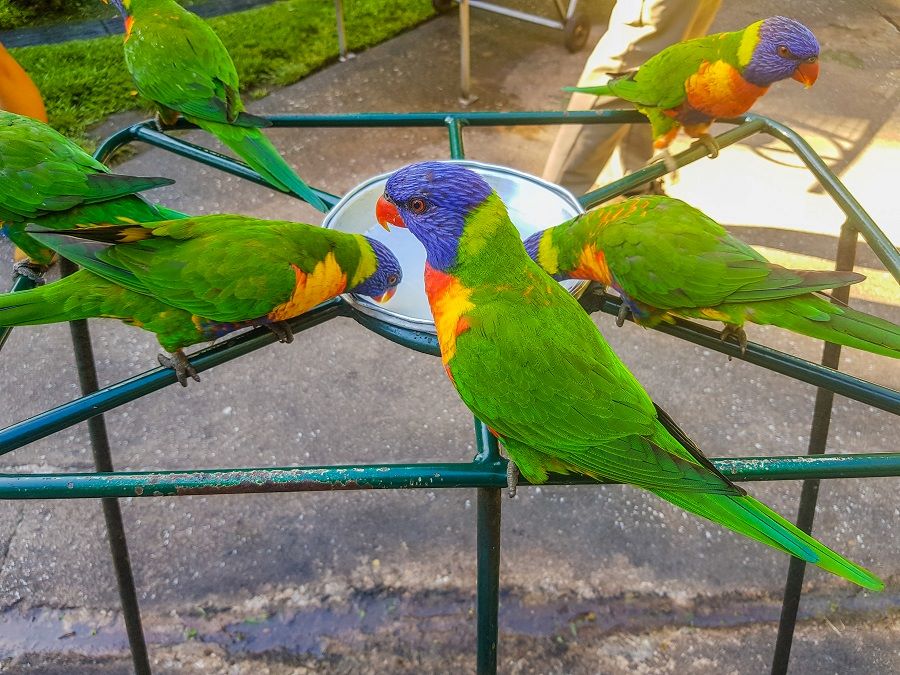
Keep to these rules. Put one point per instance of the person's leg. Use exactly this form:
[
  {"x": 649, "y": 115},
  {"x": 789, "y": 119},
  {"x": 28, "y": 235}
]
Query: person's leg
[{"x": 585, "y": 156}]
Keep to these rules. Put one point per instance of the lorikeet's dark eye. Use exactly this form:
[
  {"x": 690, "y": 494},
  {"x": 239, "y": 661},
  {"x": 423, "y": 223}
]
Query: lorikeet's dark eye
[
  {"x": 392, "y": 280},
  {"x": 785, "y": 52},
  {"x": 417, "y": 205},
  {"x": 812, "y": 59}
]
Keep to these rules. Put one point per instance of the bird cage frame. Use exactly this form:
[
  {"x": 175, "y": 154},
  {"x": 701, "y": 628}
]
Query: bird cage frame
[{"x": 486, "y": 473}]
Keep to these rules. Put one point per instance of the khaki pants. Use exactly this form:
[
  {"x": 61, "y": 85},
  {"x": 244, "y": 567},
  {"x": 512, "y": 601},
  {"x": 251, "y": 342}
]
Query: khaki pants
[{"x": 587, "y": 156}]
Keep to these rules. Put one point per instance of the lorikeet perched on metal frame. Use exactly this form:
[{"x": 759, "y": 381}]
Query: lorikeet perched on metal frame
[
  {"x": 530, "y": 363},
  {"x": 666, "y": 258},
  {"x": 194, "y": 280},
  {"x": 180, "y": 64},
  {"x": 691, "y": 83}
]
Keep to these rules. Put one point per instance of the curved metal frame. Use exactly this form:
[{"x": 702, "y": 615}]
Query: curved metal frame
[{"x": 487, "y": 471}]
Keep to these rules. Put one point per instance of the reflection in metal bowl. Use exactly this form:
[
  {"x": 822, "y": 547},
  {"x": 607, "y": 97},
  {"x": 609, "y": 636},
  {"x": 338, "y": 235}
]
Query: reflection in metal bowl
[{"x": 533, "y": 205}]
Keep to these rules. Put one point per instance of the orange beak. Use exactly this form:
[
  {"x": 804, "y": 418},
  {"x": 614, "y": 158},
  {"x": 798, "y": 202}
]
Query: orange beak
[
  {"x": 387, "y": 214},
  {"x": 807, "y": 73},
  {"x": 381, "y": 299}
]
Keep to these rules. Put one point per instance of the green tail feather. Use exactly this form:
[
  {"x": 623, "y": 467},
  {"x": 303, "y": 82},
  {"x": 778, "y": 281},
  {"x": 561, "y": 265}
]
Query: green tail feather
[
  {"x": 104, "y": 186},
  {"x": 752, "y": 518},
  {"x": 819, "y": 318},
  {"x": 257, "y": 150},
  {"x": 600, "y": 90},
  {"x": 78, "y": 296}
]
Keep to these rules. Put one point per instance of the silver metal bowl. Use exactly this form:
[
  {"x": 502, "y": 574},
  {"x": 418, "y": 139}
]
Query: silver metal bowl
[{"x": 533, "y": 204}]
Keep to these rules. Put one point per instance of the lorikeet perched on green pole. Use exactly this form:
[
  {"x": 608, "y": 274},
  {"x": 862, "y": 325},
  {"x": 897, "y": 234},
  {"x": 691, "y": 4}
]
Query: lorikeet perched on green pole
[
  {"x": 528, "y": 361},
  {"x": 666, "y": 258},
  {"x": 48, "y": 180},
  {"x": 180, "y": 64},
  {"x": 196, "y": 279},
  {"x": 691, "y": 83}
]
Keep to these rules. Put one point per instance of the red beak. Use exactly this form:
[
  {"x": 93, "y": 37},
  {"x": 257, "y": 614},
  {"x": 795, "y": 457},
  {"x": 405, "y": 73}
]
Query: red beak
[
  {"x": 388, "y": 294},
  {"x": 387, "y": 214},
  {"x": 807, "y": 73}
]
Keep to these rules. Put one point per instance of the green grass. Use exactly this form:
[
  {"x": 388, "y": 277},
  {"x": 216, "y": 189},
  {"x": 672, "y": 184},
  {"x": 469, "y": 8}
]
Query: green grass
[{"x": 84, "y": 81}]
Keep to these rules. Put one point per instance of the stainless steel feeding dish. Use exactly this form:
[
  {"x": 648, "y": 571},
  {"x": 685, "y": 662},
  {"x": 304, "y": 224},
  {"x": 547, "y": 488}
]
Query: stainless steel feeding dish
[{"x": 533, "y": 204}]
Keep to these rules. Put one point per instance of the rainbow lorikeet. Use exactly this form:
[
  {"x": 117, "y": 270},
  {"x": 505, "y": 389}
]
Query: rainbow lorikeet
[
  {"x": 666, "y": 258},
  {"x": 48, "y": 180},
  {"x": 528, "y": 361},
  {"x": 193, "y": 280},
  {"x": 691, "y": 83},
  {"x": 180, "y": 64}
]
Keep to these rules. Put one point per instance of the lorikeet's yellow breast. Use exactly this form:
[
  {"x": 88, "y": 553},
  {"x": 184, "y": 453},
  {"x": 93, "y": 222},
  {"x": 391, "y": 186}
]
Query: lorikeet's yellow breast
[
  {"x": 717, "y": 89},
  {"x": 325, "y": 281},
  {"x": 592, "y": 265},
  {"x": 449, "y": 300}
]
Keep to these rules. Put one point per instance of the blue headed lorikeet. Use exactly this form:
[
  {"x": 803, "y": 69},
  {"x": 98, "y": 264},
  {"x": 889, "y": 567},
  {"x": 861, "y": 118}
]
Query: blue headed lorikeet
[{"x": 528, "y": 361}]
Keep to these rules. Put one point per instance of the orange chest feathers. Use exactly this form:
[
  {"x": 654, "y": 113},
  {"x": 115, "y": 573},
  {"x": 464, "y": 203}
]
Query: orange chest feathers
[
  {"x": 325, "y": 281},
  {"x": 717, "y": 89},
  {"x": 450, "y": 300}
]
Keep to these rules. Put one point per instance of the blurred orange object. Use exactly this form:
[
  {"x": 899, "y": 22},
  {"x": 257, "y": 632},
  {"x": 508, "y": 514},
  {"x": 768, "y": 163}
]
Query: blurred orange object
[{"x": 17, "y": 92}]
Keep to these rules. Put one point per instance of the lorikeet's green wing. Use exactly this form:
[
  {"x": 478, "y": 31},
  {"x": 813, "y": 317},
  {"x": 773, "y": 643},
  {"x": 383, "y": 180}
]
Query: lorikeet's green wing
[
  {"x": 41, "y": 171},
  {"x": 178, "y": 62},
  {"x": 666, "y": 254}
]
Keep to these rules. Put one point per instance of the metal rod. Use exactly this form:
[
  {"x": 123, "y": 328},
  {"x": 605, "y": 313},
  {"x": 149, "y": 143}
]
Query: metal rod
[
  {"x": 515, "y": 14},
  {"x": 51, "y": 421},
  {"x": 454, "y": 128},
  {"x": 342, "y": 40},
  {"x": 487, "y": 542},
  {"x": 112, "y": 514},
  {"x": 818, "y": 438},
  {"x": 488, "y": 470},
  {"x": 465, "y": 56}
]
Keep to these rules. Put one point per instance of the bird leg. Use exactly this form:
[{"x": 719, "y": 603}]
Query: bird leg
[
  {"x": 707, "y": 141},
  {"x": 281, "y": 330},
  {"x": 180, "y": 364},
  {"x": 624, "y": 310},
  {"x": 734, "y": 331},
  {"x": 165, "y": 118},
  {"x": 30, "y": 270},
  {"x": 512, "y": 478}
]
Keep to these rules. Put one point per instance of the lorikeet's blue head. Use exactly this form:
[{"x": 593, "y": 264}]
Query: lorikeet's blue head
[
  {"x": 785, "y": 48},
  {"x": 381, "y": 285},
  {"x": 433, "y": 199}
]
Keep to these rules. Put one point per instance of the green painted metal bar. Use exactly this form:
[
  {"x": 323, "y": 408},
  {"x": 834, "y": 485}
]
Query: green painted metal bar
[
  {"x": 454, "y": 129},
  {"x": 427, "y": 476},
  {"x": 51, "y": 421},
  {"x": 19, "y": 284},
  {"x": 488, "y": 585},
  {"x": 112, "y": 514},
  {"x": 862, "y": 222},
  {"x": 845, "y": 259},
  {"x": 766, "y": 357}
]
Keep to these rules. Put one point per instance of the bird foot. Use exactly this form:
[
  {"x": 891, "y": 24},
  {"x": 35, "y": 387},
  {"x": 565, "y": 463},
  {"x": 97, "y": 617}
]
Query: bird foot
[
  {"x": 708, "y": 142},
  {"x": 180, "y": 364},
  {"x": 281, "y": 330},
  {"x": 30, "y": 270},
  {"x": 624, "y": 311},
  {"x": 512, "y": 478},
  {"x": 736, "y": 332}
]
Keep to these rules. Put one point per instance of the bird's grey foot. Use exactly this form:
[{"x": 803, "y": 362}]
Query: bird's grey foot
[
  {"x": 736, "y": 332},
  {"x": 623, "y": 314},
  {"x": 30, "y": 270},
  {"x": 180, "y": 364},
  {"x": 512, "y": 478},
  {"x": 708, "y": 142},
  {"x": 281, "y": 330}
]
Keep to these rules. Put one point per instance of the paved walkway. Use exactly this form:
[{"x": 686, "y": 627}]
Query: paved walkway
[{"x": 594, "y": 579}]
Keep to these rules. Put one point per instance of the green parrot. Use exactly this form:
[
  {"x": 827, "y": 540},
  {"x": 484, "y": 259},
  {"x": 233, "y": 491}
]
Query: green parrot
[
  {"x": 529, "y": 363},
  {"x": 48, "y": 180},
  {"x": 193, "y": 280},
  {"x": 180, "y": 64},
  {"x": 667, "y": 259},
  {"x": 691, "y": 83}
]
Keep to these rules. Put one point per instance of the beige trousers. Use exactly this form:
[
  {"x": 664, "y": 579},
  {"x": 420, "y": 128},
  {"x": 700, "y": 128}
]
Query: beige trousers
[{"x": 587, "y": 156}]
